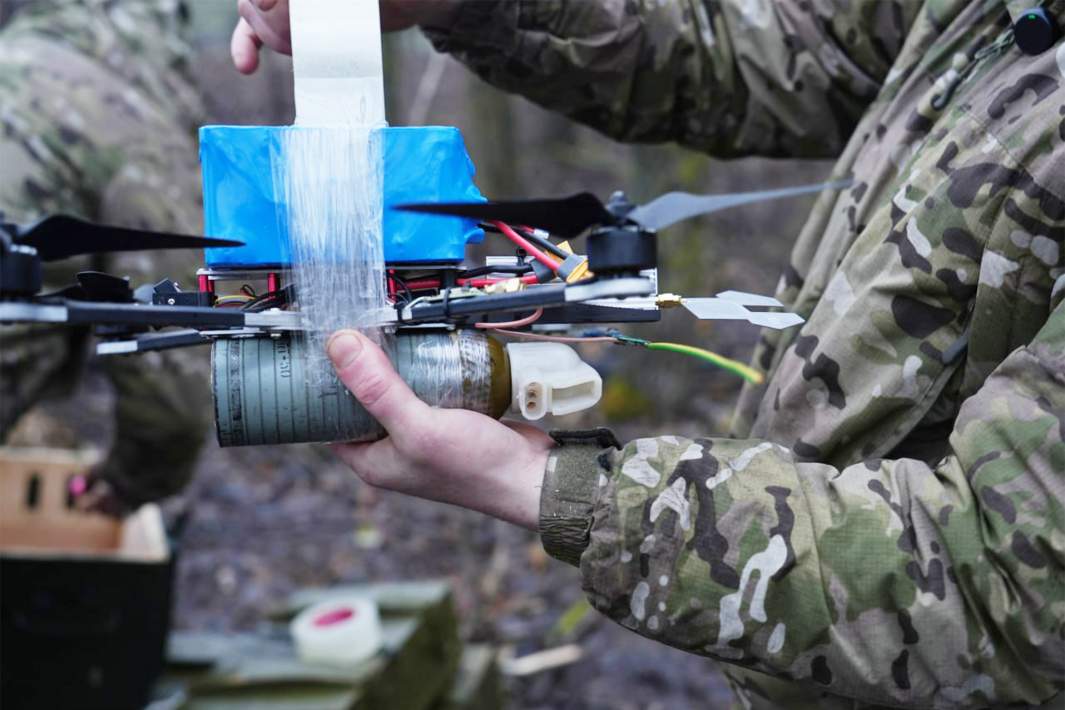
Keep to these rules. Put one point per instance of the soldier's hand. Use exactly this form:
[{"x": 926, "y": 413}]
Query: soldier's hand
[
  {"x": 266, "y": 23},
  {"x": 262, "y": 22},
  {"x": 450, "y": 455}
]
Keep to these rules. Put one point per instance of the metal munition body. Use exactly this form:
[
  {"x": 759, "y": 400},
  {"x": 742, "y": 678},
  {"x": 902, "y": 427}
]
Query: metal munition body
[{"x": 263, "y": 394}]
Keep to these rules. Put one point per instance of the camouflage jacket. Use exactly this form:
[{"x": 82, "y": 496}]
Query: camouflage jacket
[
  {"x": 97, "y": 120},
  {"x": 888, "y": 527}
]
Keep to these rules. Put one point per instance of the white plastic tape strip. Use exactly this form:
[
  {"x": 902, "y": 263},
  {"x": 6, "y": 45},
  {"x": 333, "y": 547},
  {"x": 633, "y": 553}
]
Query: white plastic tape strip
[
  {"x": 339, "y": 632},
  {"x": 336, "y": 60}
]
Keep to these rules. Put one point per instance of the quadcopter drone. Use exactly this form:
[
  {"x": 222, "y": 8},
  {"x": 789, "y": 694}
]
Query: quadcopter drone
[
  {"x": 612, "y": 280},
  {"x": 442, "y": 311}
]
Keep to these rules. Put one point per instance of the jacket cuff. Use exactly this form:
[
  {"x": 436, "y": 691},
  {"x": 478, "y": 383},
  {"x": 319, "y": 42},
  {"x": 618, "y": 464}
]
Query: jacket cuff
[{"x": 570, "y": 490}]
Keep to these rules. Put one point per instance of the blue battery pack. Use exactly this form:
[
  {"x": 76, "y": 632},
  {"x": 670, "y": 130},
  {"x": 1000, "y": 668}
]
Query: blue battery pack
[{"x": 421, "y": 164}]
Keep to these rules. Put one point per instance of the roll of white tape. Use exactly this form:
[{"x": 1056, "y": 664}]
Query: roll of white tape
[
  {"x": 336, "y": 62},
  {"x": 338, "y": 632}
]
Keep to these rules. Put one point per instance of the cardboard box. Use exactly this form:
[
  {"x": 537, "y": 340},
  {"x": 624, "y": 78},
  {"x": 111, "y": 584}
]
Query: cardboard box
[{"x": 84, "y": 599}]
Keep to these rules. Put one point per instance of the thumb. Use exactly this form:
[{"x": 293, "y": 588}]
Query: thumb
[{"x": 368, "y": 373}]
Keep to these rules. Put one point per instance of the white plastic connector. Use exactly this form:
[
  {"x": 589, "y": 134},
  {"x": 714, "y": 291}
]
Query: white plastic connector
[{"x": 551, "y": 378}]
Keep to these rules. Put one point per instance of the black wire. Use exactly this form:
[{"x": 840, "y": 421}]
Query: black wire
[
  {"x": 261, "y": 304},
  {"x": 545, "y": 244},
  {"x": 534, "y": 238},
  {"x": 403, "y": 285},
  {"x": 483, "y": 270},
  {"x": 270, "y": 299},
  {"x": 251, "y": 305}
]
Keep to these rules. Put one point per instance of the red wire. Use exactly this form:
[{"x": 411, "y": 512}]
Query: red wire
[
  {"x": 520, "y": 241},
  {"x": 423, "y": 284},
  {"x": 391, "y": 284},
  {"x": 478, "y": 283},
  {"x": 528, "y": 246},
  {"x": 512, "y": 323}
]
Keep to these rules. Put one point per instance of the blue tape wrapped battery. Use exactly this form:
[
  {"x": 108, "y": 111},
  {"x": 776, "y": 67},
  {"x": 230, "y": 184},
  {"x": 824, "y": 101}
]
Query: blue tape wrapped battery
[{"x": 421, "y": 164}]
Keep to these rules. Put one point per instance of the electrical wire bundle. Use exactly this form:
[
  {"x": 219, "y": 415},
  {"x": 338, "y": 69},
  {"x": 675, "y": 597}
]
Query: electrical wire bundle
[
  {"x": 233, "y": 300},
  {"x": 536, "y": 245},
  {"x": 247, "y": 300},
  {"x": 528, "y": 243}
]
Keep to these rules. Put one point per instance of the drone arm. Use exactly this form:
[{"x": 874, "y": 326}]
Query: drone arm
[
  {"x": 765, "y": 78},
  {"x": 166, "y": 340},
  {"x": 80, "y": 313}
]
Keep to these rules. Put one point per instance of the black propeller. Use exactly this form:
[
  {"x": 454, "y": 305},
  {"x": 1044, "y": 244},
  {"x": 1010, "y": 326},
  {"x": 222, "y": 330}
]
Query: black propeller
[
  {"x": 60, "y": 236},
  {"x": 569, "y": 216}
]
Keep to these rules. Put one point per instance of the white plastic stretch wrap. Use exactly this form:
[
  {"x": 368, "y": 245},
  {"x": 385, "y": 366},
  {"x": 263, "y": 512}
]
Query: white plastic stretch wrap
[
  {"x": 332, "y": 179},
  {"x": 330, "y": 170},
  {"x": 454, "y": 371}
]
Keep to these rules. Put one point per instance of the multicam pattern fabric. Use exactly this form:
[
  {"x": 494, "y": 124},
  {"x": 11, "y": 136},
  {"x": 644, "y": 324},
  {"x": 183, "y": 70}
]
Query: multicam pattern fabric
[
  {"x": 97, "y": 120},
  {"x": 889, "y": 527}
]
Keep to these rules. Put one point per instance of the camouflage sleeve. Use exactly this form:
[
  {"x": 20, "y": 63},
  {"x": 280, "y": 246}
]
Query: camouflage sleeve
[
  {"x": 887, "y": 581},
  {"x": 731, "y": 77},
  {"x": 35, "y": 361},
  {"x": 160, "y": 424},
  {"x": 99, "y": 124}
]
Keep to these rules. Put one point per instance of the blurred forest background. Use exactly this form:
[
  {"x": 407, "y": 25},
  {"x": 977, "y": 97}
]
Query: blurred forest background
[{"x": 260, "y": 522}]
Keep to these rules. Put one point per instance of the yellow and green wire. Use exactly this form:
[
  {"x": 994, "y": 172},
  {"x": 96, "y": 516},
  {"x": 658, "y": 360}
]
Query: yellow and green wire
[{"x": 728, "y": 364}]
